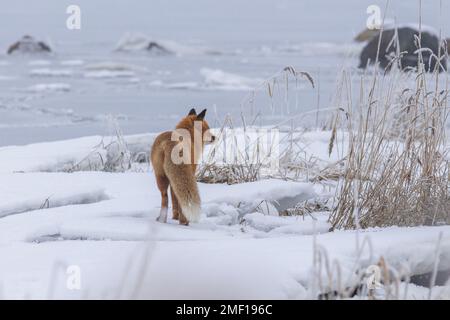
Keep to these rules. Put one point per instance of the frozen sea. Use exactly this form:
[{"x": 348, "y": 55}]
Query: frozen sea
[{"x": 222, "y": 49}]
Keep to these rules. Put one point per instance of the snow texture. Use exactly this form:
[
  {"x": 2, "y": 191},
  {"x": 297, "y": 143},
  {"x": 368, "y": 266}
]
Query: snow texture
[{"x": 105, "y": 224}]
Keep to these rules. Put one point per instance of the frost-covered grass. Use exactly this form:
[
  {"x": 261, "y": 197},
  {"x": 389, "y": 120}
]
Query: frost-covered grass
[{"x": 397, "y": 165}]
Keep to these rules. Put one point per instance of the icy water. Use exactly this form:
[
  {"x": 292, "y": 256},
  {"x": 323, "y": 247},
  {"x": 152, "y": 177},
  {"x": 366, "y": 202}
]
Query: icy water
[{"x": 222, "y": 49}]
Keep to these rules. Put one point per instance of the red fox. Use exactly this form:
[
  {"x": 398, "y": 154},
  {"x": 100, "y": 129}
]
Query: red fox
[{"x": 180, "y": 176}]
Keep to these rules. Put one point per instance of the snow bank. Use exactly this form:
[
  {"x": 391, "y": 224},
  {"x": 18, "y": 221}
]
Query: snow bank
[
  {"x": 224, "y": 268},
  {"x": 88, "y": 152},
  {"x": 105, "y": 224},
  {"x": 14, "y": 201},
  {"x": 46, "y": 156}
]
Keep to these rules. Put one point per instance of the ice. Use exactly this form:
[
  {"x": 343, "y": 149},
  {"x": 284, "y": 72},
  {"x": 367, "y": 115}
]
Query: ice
[
  {"x": 44, "y": 72},
  {"x": 108, "y": 74},
  {"x": 39, "y": 63},
  {"x": 237, "y": 52},
  {"x": 49, "y": 87},
  {"x": 75, "y": 62},
  {"x": 131, "y": 42},
  {"x": 220, "y": 79},
  {"x": 113, "y": 66}
]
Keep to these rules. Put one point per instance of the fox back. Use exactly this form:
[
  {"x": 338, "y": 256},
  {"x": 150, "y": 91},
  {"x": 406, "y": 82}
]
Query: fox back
[{"x": 167, "y": 150}]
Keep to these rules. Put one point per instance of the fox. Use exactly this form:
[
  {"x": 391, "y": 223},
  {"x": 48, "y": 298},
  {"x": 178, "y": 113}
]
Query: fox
[{"x": 180, "y": 177}]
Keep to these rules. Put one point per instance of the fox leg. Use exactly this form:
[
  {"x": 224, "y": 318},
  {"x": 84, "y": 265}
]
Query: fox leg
[
  {"x": 175, "y": 205},
  {"x": 163, "y": 185}
]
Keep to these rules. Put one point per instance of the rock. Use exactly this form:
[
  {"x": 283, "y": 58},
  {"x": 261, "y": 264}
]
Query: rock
[
  {"x": 158, "y": 49},
  {"x": 28, "y": 45},
  {"x": 406, "y": 45},
  {"x": 139, "y": 42},
  {"x": 366, "y": 34}
]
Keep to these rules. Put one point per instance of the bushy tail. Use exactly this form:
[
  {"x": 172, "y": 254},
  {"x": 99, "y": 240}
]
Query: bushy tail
[{"x": 184, "y": 184}]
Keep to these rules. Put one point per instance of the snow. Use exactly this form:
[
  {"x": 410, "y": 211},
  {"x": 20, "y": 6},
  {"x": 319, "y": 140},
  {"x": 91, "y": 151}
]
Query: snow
[
  {"x": 45, "y": 72},
  {"x": 51, "y": 87},
  {"x": 112, "y": 66},
  {"x": 416, "y": 26},
  {"x": 91, "y": 201},
  {"x": 61, "y": 155},
  {"x": 132, "y": 42},
  {"x": 228, "y": 81},
  {"x": 75, "y": 62},
  {"x": 31, "y": 157},
  {"x": 109, "y": 74},
  {"x": 39, "y": 63},
  {"x": 104, "y": 223},
  {"x": 246, "y": 46}
]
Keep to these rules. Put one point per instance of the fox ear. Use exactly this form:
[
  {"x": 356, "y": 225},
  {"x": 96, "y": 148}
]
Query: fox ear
[
  {"x": 201, "y": 115},
  {"x": 192, "y": 112}
]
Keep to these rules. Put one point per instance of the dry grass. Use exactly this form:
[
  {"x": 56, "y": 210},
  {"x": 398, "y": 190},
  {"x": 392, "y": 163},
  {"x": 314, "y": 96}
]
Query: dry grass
[
  {"x": 389, "y": 281},
  {"x": 238, "y": 166},
  {"x": 396, "y": 170},
  {"x": 308, "y": 207},
  {"x": 112, "y": 154},
  {"x": 248, "y": 163}
]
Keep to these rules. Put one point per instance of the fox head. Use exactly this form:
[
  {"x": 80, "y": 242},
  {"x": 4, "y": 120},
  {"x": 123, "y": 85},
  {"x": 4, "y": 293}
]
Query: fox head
[{"x": 193, "y": 122}]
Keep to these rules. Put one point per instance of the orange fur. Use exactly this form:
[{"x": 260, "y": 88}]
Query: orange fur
[{"x": 179, "y": 177}]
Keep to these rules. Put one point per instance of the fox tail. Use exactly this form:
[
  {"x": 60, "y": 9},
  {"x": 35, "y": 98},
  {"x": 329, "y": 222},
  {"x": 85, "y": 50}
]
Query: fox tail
[{"x": 184, "y": 184}]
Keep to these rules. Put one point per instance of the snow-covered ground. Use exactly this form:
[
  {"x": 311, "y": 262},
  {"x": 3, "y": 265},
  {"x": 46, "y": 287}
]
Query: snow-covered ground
[{"x": 54, "y": 219}]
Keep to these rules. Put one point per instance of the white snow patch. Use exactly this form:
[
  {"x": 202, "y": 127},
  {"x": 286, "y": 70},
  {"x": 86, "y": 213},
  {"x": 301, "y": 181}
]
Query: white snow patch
[
  {"x": 322, "y": 48},
  {"x": 220, "y": 79},
  {"x": 132, "y": 42},
  {"x": 188, "y": 85},
  {"x": 45, "y": 72},
  {"x": 75, "y": 62},
  {"x": 49, "y": 87},
  {"x": 39, "y": 63},
  {"x": 61, "y": 155},
  {"x": 108, "y": 74}
]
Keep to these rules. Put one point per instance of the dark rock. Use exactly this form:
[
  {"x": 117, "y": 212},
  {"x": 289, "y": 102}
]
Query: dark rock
[
  {"x": 158, "y": 49},
  {"x": 28, "y": 45},
  {"x": 424, "y": 280},
  {"x": 407, "y": 45}
]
